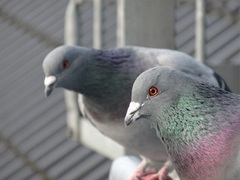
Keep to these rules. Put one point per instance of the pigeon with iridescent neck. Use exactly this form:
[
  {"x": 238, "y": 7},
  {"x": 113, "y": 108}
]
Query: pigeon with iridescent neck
[
  {"x": 198, "y": 123},
  {"x": 104, "y": 78}
]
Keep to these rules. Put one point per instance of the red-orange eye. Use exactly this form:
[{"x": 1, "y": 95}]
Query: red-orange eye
[
  {"x": 65, "y": 64},
  {"x": 153, "y": 91}
]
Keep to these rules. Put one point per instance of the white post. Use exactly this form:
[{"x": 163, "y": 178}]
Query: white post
[
  {"x": 71, "y": 98},
  {"x": 147, "y": 23},
  {"x": 120, "y": 23},
  {"x": 200, "y": 30},
  {"x": 97, "y": 24}
]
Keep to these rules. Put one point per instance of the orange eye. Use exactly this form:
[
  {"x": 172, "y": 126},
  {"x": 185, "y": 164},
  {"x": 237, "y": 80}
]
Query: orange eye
[
  {"x": 153, "y": 91},
  {"x": 65, "y": 64}
]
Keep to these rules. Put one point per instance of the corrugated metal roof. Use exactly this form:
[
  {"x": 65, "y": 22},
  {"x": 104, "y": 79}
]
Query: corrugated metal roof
[
  {"x": 32, "y": 124},
  {"x": 222, "y": 31}
]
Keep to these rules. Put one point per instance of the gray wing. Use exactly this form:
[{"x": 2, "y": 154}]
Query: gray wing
[{"x": 184, "y": 63}]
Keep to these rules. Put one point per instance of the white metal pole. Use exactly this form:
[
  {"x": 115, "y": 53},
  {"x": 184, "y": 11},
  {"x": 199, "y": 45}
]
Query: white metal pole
[
  {"x": 200, "y": 30},
  {"x": 71, "y": 24},
  {"x": 97, "y": 24},
  {"x": 120, "y": 23},
  {"x": 71, "y": 38}
]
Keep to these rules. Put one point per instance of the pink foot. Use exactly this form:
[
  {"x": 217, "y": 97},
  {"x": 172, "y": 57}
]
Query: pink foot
[
  {"x": 140, "y": 174},
  {"x": 152, "y": 174},
  {"x": 163, "y": 173}
]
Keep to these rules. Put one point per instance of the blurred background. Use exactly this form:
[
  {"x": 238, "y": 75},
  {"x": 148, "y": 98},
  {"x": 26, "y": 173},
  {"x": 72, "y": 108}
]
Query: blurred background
[{"x": 35, "y": 142}]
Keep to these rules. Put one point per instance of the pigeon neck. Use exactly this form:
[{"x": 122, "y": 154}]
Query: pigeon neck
[
  {"x": 194, "y": 117},
  {"x": 107, "y": 95},
  {"x": 200, "y": 132},
  {"x": 102, "y": 109},
  {"x": 198, "y": 112},
  {"x": 107, "y": 79},
  {"x": 206, "y": 157}
]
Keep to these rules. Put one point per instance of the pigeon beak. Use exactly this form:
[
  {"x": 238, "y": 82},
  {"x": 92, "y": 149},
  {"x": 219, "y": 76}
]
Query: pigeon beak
[
  {"x": 50, "y": 83},
  {"x": 132, "y": 113}
]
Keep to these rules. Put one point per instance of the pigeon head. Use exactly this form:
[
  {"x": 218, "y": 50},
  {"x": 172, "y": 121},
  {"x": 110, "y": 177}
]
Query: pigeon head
[
  {"x": 153, "y": 90},
  {"x": 60, "y": 67}
]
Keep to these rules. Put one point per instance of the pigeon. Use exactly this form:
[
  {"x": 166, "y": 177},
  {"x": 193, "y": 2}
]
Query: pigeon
[
  {"x": 198, "y": 123},
  {"x": 103, "y": 79}
]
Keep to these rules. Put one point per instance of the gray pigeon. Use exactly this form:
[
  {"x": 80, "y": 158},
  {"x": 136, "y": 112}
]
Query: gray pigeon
[
  {"x": 198, "y": 123},
  {"x": 104, "y": 78}
]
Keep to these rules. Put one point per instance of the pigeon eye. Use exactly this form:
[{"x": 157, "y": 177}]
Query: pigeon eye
[
  {"x": 153, "y": 91},
  {"x": 65, "y": 64}
]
